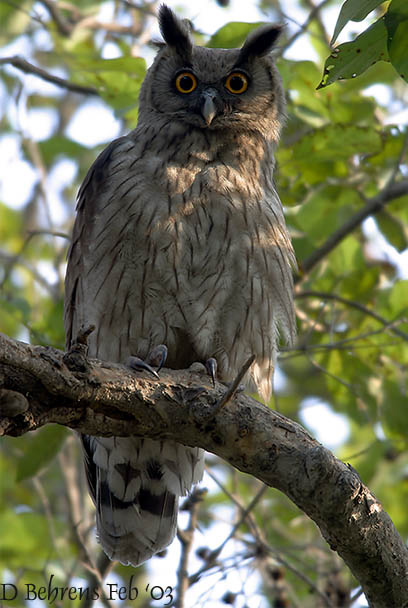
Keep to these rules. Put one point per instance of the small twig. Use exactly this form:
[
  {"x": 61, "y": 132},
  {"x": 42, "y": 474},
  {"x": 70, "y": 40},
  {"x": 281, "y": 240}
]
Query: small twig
[
  {"x": 186, "y": 539},
  {"x": 36, "y": 481},
  {"x": 216, "y": 552},
  {"x": 249, "y": 518},
  {"x": 63, "y": 25},
  {"x": 316, "y": 10},
  {"x": 352, "y": 304},
  {"x": 97, "y": 570},
  {"x": 69, "y": 472},
  {"x": 312, "y": 15},
  {"x": 234, "y": 387},
  {"x": 97, "y": 576},
  {"x": 34, "y": 153},
  {"x": 40, "y": 232},
  {"x": 29, "y": 68},
  {"x": 12, "y": 260},
  {"x": 401, "y": 157},
  {"x": 116, "y": 28},
  {"x": 17, "y": 258},
  {"x": 147, "y": 10}
]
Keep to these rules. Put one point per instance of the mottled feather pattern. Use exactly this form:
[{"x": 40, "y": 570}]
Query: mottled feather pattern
[
  {"x": 180, "y": 240},
  {"x": 138, "y": 484}
]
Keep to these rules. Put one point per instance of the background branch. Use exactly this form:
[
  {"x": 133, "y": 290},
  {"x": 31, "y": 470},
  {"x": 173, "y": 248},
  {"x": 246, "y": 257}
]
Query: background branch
[
  {"x": 107, "y": 399},
  {"x": 29, "y": 68},
  {"x": 372, "y": 206}
]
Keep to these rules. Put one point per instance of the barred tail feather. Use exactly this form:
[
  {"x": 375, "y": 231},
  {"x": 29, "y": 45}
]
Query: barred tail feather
[{"x": 135, "y": 484}]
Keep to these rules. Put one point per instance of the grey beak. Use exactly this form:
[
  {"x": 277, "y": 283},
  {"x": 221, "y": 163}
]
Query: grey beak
[{"x": 208, "y": 107}]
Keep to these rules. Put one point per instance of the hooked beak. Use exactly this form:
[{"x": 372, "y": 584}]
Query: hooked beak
[{"x": 208, "y": 106}]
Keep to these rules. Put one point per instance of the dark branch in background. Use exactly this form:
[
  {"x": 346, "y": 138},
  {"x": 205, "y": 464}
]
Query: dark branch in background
[
  {"x": 260, "y": 550},
  {"x": 95, "y": 581},
  {"x": 29, "y": 68},
  {"x": 104, "y": 399},
  {"x": 10, "y": 261},
  {"x": 324, "y": 295},
  {"x": 186, "y": 538},
  {"x": 63, "y": 25},
  {"x": 372, "y": 206},
  {"x": 316, "y": 8},
  {"x": 148, "y": 10},
  {"x": 314, "y": 13},
  {"x": 79, "y": 20}
]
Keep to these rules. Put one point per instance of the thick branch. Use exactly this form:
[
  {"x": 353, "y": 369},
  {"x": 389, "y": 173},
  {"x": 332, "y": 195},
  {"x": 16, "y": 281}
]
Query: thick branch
[{"x": 108, "y": 399}]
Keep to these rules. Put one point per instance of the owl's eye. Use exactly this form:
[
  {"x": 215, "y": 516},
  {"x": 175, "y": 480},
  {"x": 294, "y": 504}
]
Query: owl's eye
[
  {"x": 186, "y": 82},
  {"x": 236, "y": 83}
]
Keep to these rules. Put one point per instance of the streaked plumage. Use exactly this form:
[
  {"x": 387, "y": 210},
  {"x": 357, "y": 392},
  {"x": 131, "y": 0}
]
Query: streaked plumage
[{"x": 180, "y": 240}]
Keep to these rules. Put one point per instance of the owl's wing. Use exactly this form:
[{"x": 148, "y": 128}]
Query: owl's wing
[
  {"x": 134, "y": 482},
  {"x": 96, "y": 180}
]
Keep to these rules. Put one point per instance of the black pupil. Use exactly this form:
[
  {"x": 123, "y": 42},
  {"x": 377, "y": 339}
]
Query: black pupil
[
  {"x": 236, "y": 83},
  {"x": 185, "y": 83}
]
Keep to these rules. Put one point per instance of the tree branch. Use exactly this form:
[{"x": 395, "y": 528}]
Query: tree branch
[
  {"x": 63, "y": 25},
  {"x": 314, "y": 14},
  {"x": 324, "y": 295},
  {"x": 186, "y": 538},
  {"x": 107, "y": 399},
  {"x": 372, "y": 206},
  {"x": 29, "y": 68}
]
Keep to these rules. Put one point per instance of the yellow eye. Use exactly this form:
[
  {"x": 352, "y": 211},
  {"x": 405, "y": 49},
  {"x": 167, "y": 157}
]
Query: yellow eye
[
  {"x": 186, "y": 82},
  {"x": 237, "y": 83}
]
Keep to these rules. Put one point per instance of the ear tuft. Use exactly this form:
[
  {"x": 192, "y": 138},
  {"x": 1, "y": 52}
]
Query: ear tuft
[
  {"x": 176, "y": 33},
  {"x": 259, "y": 42}
]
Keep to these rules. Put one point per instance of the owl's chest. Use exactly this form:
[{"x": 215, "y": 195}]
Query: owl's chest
[{"x": 194, "y": 225}]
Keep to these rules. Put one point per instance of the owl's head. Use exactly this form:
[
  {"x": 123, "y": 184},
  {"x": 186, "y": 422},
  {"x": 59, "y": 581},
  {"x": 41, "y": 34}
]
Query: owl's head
[{"x": 205, "y": 88}]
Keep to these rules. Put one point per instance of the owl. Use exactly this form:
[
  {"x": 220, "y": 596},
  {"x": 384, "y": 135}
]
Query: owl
[{"x": 180, "y": 240}]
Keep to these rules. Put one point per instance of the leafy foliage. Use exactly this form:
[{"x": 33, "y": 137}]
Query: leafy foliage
[
  {"x": 340, "y": 150},
  {"x": 384, "y": 40}
]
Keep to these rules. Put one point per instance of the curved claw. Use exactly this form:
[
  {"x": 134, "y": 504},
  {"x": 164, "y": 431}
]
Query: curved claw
[
  {"x": 138, "y": 364},
  {"x": 211, "y": 367},
  {"x": 158, "y": 356}
]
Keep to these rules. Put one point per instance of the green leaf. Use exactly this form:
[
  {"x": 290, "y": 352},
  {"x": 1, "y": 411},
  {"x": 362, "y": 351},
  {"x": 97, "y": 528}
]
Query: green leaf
[
  {"x": 117, "y": 80},
  {"x": 10, "y": 227},
  {"x": 395, "y": 409},
  {"x": 353, "y": 10},
  {"x": 25, "y": 539},
  {"x": 397, "y": 300},
  {"x": 351, "y": 59},
  {"x": 14, "y": 19},
  {"x": 335, "y": 142},
  {"x": 232, "y": 35},
  {"x": 396, "y": 21},
  {"x": 59, "y": 145},
  {"x": 127, "y": 65},
  {"x": 392, "y": 229},
  {"x": 45, "y": 444}
]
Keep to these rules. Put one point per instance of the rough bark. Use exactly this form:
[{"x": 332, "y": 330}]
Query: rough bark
[{"x": 100, "y": 398}]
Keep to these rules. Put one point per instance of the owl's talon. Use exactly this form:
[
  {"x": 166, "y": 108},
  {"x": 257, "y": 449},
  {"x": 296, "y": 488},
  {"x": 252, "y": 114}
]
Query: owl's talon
[
  {"x": 157, "y": 356},
  {"x": 139, "y": 365},
  {"x": 211, "y": 367}
]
